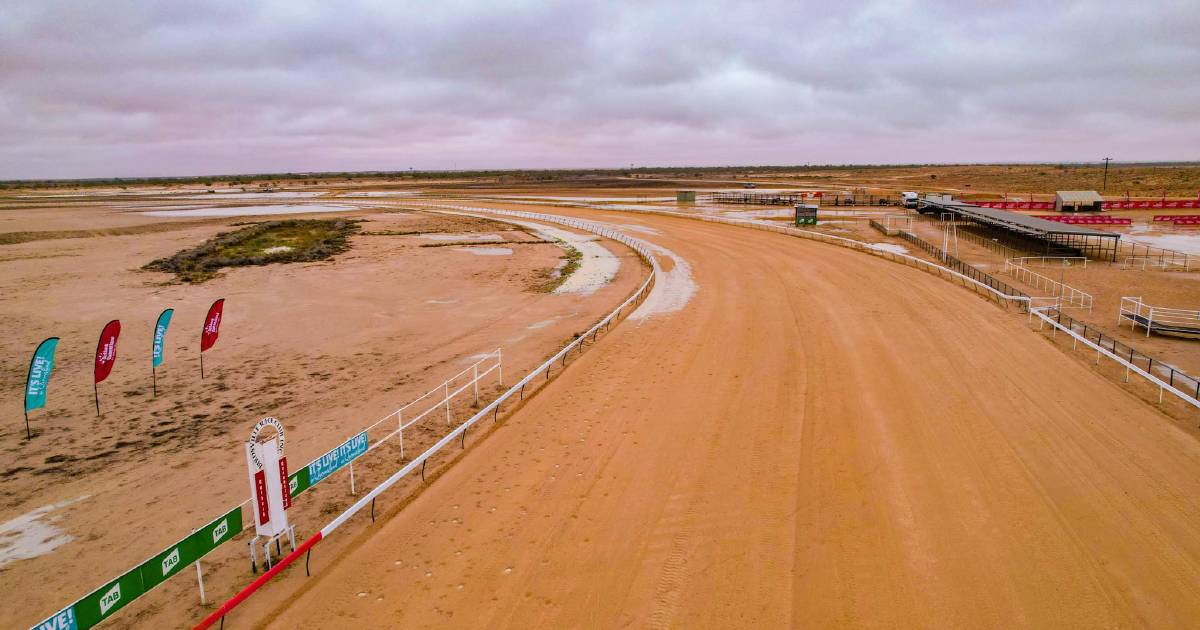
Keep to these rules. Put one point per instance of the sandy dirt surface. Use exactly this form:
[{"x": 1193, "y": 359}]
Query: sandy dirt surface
[
  {"x": 327, "y": 347},
  {"x": 1107, "y": 282},
  {"x": 819, "y": 439}
]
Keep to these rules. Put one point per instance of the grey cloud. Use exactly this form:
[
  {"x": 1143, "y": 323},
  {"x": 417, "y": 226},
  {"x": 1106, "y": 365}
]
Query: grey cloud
[{"x": 144, "y": 88}]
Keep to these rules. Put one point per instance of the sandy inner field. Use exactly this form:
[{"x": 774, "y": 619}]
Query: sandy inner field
[
  {"x": 786, "y": 434},
  {"x": 327, "y": 347}
]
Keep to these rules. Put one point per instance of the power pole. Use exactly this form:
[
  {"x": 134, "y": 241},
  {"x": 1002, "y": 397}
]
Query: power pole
[{"x": 1106, "y": 161}]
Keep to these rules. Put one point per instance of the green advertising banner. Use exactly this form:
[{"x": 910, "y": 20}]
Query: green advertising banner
[
  {"x": 113, "y": 596},
  {"x": 107, "y": 600},
  {"x": 217, "y": 532},
  {"x": 157, "y": 569},
  {"x": 298, "y": 481}
]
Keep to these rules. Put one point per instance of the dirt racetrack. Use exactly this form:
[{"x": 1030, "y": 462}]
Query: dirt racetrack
[{"x": 819, "y": 439}]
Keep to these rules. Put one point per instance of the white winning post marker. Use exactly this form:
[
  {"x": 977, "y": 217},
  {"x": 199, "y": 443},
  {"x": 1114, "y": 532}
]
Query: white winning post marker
[{"x": 270, "y": 493}]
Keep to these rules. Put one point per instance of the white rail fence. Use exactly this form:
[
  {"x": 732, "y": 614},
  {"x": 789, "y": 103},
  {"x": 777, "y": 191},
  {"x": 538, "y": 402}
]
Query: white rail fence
[
  {"x": 1036, "y": 306},
  {"x": 1141, "y": 314},
  {"x": 912, "y": 261},
  {"x": 1165, "y": 264},
  {"x": 1044, "y": 261},
  {"x": 1130, "y": 368},
  {"x": 491, "y": 362},
  {"x": 1071, "y": 296},
  {"x": 898, "y": 222},
  {"x": 518, "y": 388},
  {"x": 1166, "y": 258},
  {"x": 493, "y": 408},
  {"x": 494, "y": 363}
]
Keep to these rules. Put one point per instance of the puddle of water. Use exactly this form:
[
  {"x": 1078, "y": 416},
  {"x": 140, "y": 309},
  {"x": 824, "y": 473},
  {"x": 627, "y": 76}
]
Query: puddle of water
[
  {"x": 466, "y": 236},
  {"x": 890, "y": 247},
  {"x": 592, "y": 199},
  {"x": 103, "y": 193},
  {"x": 250, "y": 211},
  {"x": 672, "y": 289},
  {"x": 486, "y": 251},
  {"x": 34, "y": 533},
  {"x": 546, "y": 322},
  {"x": 759, "y": 214},
  {"x": 149, "y": 208},
  {"x": 1186, "y": 243},
  {"x": 638, "y": 228},
  {"x": 228, "y": 194},
  {"x": 379, "y": 193},
  {"x": 597, "y": 266}
]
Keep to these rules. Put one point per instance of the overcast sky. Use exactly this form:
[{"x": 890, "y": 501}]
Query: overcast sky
[{"x": 93, "y": 89}]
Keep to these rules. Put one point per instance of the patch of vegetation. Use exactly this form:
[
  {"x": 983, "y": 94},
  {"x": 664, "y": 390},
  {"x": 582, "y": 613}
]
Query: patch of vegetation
[
  {"x": 573, "y": 257},
  {"x": 295, "y": 240}
]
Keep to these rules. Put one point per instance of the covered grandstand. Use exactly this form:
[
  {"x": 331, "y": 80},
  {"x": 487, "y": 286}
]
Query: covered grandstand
[{"x": 1026, "y": 232}]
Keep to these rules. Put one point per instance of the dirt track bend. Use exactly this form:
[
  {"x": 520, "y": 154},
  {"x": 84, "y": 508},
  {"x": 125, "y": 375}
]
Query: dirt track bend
[{"x": 821, "y": 438}]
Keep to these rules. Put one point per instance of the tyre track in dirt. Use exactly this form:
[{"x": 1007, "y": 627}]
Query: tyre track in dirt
[{"x": 819, "y": 439}]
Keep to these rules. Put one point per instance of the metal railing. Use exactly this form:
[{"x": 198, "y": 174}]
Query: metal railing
[
  {"x": 1141, "y": 314},
  {"x": 1040, "y": 261},
  {"x": 1069, "y": 294},
  {"x": 972, "y": 278},
  {"x": 1190, "y": 398},
  {"x": 1166, "y": 264},
  {"x": 492, "y": 408},
  {"x": 960, "y": 266},
  {"x": 474, "y": 369},
  {"x": 966, "y": 234},
  {"x": 887, "y": 231},
  {"x": 1175, "y": 377},
  {"x": 1181, "y": 260},
  {"x": 444, "y": 403}
]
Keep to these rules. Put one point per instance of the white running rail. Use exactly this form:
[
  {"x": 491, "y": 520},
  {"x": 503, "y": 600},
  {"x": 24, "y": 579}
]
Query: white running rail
[
  {"x": 491, "y": 362},
  {"x": 1041, "y": 261},
  {"x": 1141, "y": 314},
  {"x": 518, "y": 388},
  {"x": 840, "y": 241},
  {"x": 1166, "y": 264},
  {"x": 1163, "y": 386},
  {"x": 1069, "y": 294}
]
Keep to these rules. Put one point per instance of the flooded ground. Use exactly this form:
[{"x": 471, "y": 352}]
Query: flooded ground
[
  {"x": 251, "y": 211},
  {"x": 1186, "y": 242}
]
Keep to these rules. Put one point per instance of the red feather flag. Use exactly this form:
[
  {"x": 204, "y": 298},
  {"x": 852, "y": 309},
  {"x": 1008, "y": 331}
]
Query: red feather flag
[
  {"x": 212, "y": 327},
  {"x": 106, "y": 349},
  {"x": 106, "y": 356}
]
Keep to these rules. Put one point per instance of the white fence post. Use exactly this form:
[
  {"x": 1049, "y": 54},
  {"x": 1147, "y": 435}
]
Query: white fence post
[
  {"x": 200, "y": 580},
  {"x": 352, "y": 491}
]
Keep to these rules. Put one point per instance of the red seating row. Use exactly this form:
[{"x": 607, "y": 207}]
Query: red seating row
[
  {"x": 1087, "y": 220},
  {"x": 1175, "y": 217}
]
